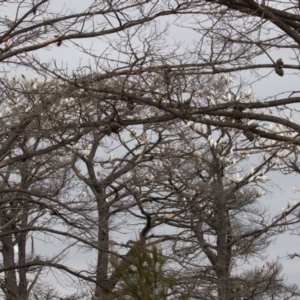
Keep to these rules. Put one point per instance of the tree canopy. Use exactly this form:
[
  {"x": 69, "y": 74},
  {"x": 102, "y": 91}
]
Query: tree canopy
[{"x": 137, "y": 143}]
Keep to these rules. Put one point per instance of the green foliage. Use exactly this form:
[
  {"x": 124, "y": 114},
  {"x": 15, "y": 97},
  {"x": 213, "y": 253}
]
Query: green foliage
[{"x": 146, "y": 279}]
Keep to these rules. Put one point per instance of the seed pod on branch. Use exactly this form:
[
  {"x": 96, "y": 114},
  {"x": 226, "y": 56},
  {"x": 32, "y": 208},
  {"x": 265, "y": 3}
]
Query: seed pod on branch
[
  {"x": 279, "y": 71},
  {"x": 113, "y": 127},
  {"x": 279, "y": 62},
  {"x": 130, "y": 104},
  {"x": 249, "y": 135},
  {"x": 278, "y": 68}
]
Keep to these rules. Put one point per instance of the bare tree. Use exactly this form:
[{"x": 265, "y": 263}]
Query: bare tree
[
  {"x": 145, "y": 137},
  {"x": 44, "y": 118},
  {"x": 203, "y": 185}
]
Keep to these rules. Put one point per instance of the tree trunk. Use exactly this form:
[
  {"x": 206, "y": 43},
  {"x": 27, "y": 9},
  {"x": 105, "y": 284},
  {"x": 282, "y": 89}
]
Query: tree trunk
[
  {"x": 11, "y": 287},
  {"x": 223, "y": 254},
  {"x": 103, "y": 245}
]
